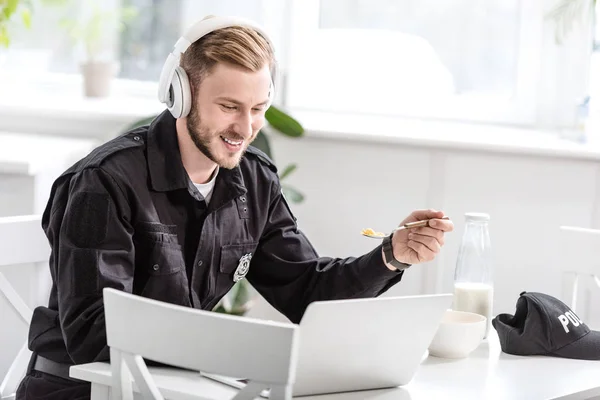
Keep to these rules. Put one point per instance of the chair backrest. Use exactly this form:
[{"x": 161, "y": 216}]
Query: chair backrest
[
  {"x": 580, "y": 255},
  {"x": 264, "y": 352},
  {"x": 22, "y": 241}
]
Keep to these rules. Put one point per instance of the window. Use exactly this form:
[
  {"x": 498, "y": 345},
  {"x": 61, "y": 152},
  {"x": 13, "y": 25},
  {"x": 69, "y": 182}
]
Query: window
[
  {"x": 456, "y": 59},
  {"x": 44, "y": 56},
  {"x": 491, "y": 61},
  {"x": 146, "y": 42}
]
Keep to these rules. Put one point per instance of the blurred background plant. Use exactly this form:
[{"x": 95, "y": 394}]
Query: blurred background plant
[
  {"x": 88, "y": 26},
  {"x": 284, "y": 124},
  {"x": 566, "y": 14},
  {"x": 93, "y": 28},
  {"x": 18, "y": 12}
]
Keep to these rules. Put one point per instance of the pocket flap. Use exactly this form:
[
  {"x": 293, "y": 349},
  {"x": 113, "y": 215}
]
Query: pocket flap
[
  {"x": 231, "y": 255},
  {"x": 156, "y": 232},
  {"x": 156, "y": 227}
]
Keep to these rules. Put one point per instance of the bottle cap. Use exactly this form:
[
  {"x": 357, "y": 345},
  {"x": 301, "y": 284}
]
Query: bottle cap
[{"x": 474, "y": 216}]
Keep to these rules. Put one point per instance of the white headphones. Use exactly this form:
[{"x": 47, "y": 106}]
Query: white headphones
[{"x": 174, "y": 85}]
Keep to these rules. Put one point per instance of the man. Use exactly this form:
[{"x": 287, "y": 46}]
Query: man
[{"x": 176, "y": 210}]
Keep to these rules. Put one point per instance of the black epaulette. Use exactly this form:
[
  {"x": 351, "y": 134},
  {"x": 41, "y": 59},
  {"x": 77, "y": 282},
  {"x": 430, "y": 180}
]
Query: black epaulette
[
  {"x": 134, "y": 138},
  {"x": 262, "y": 156}
]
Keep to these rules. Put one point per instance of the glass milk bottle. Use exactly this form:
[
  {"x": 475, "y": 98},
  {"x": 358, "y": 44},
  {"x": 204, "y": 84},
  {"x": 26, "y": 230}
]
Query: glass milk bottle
[{"x": 473, "y": 284}]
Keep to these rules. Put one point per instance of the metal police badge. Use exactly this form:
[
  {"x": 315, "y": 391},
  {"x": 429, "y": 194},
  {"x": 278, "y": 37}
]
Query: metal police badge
[{"x": 242, "y": 268}]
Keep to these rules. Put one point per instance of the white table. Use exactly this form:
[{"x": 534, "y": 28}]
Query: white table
[{"x": 486, "y": 374}]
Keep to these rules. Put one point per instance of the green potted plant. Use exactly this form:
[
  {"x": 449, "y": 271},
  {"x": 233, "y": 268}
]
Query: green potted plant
[
  {"x": 240, "y": 298},
  {"x": 88, "y": 29}
]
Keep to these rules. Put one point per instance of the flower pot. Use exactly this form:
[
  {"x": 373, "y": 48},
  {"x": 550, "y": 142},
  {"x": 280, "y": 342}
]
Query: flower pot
[{"x": 97, "y": 78}]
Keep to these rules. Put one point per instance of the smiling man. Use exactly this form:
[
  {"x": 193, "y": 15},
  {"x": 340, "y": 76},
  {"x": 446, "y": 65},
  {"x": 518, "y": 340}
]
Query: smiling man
[{"x": 182, "y": 209}]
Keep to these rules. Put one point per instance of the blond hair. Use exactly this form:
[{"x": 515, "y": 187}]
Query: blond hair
[{"x": 239, "y": 46}]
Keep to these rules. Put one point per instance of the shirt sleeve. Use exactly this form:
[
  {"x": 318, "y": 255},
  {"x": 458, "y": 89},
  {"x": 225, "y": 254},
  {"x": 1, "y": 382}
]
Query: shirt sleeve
[
  {"x": 287, "y": 271},
  {"x": 91, "y": 236}
]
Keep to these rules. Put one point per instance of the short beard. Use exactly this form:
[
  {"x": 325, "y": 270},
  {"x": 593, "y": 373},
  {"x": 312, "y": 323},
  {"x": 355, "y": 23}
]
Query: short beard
[{"x": 202, "y": 139}]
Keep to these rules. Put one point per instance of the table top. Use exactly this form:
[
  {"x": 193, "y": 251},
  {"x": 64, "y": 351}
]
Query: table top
[{"x": 487, "y": 373}]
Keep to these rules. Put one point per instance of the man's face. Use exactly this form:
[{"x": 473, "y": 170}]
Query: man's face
[{"x": 228, "y": 112}]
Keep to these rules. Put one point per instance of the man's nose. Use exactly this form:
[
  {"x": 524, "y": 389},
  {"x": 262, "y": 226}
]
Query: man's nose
[{"x": 243, "y": 125}]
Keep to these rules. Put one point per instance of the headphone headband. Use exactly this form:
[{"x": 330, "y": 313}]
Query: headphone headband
[{"x": 192, "y": 34}]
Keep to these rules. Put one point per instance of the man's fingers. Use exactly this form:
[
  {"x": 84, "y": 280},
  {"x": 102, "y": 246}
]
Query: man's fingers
[
  {"x": 427, "y": 214},
  {"x": 442, "y": 224},
  {"x": 435, "y": 216},
  {"x": 430, "y": 242},
  {"x": 423, "y": 252},
  {"x": 427, "y": 231}
]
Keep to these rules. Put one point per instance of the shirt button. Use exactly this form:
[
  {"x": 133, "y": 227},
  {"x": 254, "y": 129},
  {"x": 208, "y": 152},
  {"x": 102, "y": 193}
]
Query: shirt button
[
  {"x": 243, "y": 199},
  {"x": 155, "y": 267},
  {"x": 136, "y": 138},
  {"x": 199, "y": 263}
]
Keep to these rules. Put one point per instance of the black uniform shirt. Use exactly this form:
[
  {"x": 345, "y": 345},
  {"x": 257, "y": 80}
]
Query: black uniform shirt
[{"x": 127, "y": 216}]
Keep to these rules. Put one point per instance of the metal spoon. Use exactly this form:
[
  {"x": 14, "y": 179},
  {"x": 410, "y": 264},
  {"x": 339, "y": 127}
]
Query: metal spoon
[{"x": 370, "y": 233}]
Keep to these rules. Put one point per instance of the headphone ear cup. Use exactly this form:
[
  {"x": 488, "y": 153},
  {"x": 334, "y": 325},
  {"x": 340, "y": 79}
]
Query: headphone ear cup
[
  {"x": 180, "y": 93},
  {"x": 272, "y": 88}
]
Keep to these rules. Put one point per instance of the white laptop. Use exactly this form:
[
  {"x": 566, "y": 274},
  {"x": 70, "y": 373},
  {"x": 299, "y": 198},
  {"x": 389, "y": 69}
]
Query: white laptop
[{"x": 361, "y": 344}]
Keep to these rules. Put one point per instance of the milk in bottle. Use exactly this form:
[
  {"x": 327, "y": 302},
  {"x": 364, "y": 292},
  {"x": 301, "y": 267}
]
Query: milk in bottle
[{"x": 473, "y": 283}]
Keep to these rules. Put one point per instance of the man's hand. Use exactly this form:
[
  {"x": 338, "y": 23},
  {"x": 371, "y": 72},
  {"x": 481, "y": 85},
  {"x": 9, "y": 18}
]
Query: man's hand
[{"x": 417, "y": 245}]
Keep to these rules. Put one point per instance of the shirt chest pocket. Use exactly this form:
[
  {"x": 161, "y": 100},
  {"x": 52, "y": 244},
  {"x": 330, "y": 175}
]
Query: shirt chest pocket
[
  {"x": 160, "y": 265},
  {"x": 159, "y": 258},
  {"x": 235, "y": 261},
  {"x": 158, "y": 251}
]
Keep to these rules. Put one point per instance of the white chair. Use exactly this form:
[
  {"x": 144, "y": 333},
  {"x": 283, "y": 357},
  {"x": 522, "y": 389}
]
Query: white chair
[
  {"x": 580, "y": 254},
  {"x": 22, "y": 241},
  {"x": 138, "y": 328}
]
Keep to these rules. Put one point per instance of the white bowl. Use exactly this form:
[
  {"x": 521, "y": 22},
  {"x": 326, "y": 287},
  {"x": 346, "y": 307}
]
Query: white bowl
[{"x": 458, "y": 335}]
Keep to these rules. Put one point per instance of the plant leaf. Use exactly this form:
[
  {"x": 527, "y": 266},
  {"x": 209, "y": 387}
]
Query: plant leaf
[
  {"x": 26, "y": 16},
  {"x": 138, "y": 123},
  {"x": 292, "y": 194},
  {"x": 567, "y": 13},
  {"x": 242, "y": 295},
  {"x": 237, "y": 301},
  {"x": 261, "y": 142},
  {"x": 54, "y": 2},
  {"x": 287, "y": 170},
  {"x": 283, "y": 123},
  {"x": 4, "y": 39},
  {"x": 10, "y": 7}
]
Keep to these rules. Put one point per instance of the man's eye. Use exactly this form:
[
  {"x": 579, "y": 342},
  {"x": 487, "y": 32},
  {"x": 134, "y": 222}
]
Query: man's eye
[{"x": 229, "y": 108}]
